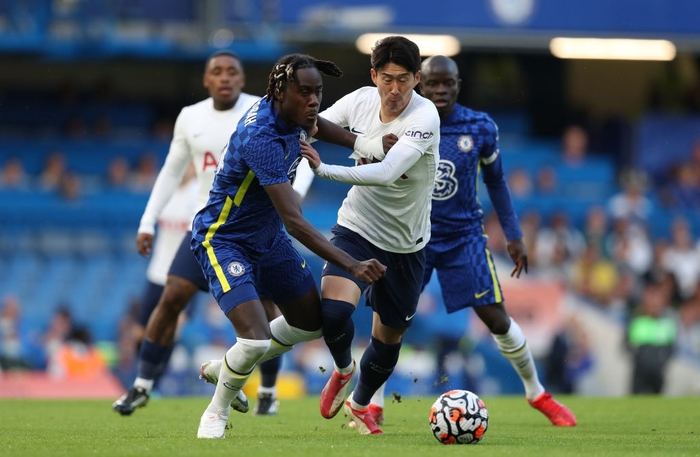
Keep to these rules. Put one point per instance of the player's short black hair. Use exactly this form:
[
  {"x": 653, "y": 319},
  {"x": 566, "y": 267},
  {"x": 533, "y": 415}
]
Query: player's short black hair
[
  {"x": 284, "y": 70},
  {"x": 222, "y": 52},
  {"x": 398, "y": 50}
]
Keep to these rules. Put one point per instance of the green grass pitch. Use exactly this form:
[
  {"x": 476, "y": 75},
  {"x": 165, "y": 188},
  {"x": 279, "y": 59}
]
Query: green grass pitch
[{"x": 630, "y": 426}]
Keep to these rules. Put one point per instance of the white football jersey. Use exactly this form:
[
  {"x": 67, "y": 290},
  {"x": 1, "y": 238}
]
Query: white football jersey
[
  {"x": 200, "y": 135},
  {"x": 174, "y": 222},
  {"x": 395, "y": 218}
]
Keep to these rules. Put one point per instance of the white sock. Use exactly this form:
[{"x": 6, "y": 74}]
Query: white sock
[
  {"x": 514, "y": 347},
  {"x": 145, "y": 384},
  {"x": 238, "y": 363},
  {"x": 268, "y": 390},
  {"x": 284, "y": 337},
  {"x": 356, "y": 405},
  {"x": 378, "y": 397},
  {"x": 345, "y": 370}
]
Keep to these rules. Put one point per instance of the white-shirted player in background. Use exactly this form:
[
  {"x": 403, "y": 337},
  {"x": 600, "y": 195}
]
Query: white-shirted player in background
[
  {"x": 201, "y": 132},
  {"x": 386, "y": 215},
  {"x": 174, "y": 222}
]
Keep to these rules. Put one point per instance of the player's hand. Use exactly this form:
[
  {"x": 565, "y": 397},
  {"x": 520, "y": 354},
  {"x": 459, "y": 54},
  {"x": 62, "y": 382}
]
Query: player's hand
[
  {"x": 388, "y": 141},
  {"x": 144, "y": 243},
  {"x": 368, "y": 270},
  {"x": 310, "y": 154},
  {"x": 517, "y": 252}
]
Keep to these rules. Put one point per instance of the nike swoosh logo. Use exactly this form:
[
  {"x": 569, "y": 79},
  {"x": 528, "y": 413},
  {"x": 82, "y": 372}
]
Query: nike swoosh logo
[
  {"x": 356, "y": 131},
  {"x": 408, "y": 318},
  {"x": 481, "y": 294},
  {"x": 303, "y": 264}
]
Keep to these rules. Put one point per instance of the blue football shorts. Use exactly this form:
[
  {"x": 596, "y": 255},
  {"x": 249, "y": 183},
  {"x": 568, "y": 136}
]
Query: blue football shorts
[
  {"x": 465, "y": 270},
  {"x": 237, "y": 275},
  {"x": 395, "y": 297}
]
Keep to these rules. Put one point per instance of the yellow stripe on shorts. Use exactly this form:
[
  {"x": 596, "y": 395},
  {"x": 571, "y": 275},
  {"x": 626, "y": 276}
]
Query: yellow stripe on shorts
[
  {"x": 225, "y": 286},
  {"x": 237, "y": 199},
  {"x": 498, "y": 297}
]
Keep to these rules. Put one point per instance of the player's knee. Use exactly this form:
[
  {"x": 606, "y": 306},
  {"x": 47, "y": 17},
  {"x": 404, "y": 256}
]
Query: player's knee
[
  {"x": 177, "y": 294},
  {"x": 335, "y": 313},
  {"x": 499, "y": 325},
  {"x": 495, "y": 318}
]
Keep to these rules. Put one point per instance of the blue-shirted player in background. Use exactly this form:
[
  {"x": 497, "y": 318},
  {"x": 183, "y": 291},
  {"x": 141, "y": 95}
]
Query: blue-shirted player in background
[
  {"x": 457, "y": 247},
  {"x": 239, "y": 237}
]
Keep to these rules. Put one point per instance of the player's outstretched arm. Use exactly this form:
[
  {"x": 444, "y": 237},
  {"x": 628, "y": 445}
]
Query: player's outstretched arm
[
  {"x": 287, "y": 206},
  {"x": 383, "y": 173},
  {"x": 331, "y": 133}
]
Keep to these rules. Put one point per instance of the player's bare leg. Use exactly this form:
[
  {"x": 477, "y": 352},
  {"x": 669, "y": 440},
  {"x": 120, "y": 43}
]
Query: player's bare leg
[
  {"x": 157, "y": 343},
  {"x": 267, "y": 404},
  {"x": 513, "y": 345}
]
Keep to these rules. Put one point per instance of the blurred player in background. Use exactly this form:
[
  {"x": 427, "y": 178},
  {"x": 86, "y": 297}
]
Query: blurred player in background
[
  {"x": 239, "y": 237},
  {"x": 174, "y": 222},
  {"x": 457, "y": 248},
  {"x": 386, "y": 215},
  {"x": 201, "y": 131}
]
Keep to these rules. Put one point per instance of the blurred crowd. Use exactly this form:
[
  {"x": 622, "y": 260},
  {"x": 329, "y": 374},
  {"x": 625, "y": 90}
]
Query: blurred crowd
[{"x": 56, "y": 177}]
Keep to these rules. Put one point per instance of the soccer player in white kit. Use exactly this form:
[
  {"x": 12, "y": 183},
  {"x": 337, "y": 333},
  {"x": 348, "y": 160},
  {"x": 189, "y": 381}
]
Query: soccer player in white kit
[
  {"x": 174, "y": 222},
  {"x": 386, "y": 215},
  {"x": 201, "y": 132}
]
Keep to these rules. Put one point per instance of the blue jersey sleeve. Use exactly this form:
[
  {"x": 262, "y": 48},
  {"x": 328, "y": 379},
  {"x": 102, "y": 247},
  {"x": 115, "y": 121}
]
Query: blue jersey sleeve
[{"x": 495, "y": 181}]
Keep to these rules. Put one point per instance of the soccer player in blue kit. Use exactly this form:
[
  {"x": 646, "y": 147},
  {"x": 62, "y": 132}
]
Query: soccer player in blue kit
[
  {"x": 239, "y": 237},
  {"x": 200, "y": 132},
  {"x": 457, "y": 248}
]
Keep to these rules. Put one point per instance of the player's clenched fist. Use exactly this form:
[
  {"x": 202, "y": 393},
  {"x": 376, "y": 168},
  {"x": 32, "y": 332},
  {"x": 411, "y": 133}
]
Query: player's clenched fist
[
  {"x": 369, "y": 270},
  {"x": 144, "y": 243}
]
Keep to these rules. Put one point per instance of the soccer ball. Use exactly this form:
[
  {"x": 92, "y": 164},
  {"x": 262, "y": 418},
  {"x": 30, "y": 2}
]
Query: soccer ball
[{"x": 459, "y": 417}]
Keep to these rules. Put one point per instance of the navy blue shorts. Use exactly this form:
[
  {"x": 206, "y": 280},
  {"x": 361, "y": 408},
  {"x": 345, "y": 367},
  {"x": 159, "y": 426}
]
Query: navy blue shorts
[
  {"x": 185, "y": 265},
  {"x": 236, "y": 275},
  {"x": 466, "y": 272},
  {"x": 395, "y": 297}
]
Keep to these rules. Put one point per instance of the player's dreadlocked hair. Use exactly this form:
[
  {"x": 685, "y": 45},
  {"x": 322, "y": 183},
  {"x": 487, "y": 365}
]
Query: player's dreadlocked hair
[{"x": 285, "y": 70}]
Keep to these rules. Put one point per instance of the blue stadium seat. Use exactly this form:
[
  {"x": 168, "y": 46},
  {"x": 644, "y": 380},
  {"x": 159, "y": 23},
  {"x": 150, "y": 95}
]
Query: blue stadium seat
[{"x": 664, "y": 140}]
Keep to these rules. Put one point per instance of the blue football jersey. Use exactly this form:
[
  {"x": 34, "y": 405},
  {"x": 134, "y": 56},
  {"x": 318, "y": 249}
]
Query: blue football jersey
[
  {"x": 262, "y": 151},
  {"x": 468, "y": 142}
]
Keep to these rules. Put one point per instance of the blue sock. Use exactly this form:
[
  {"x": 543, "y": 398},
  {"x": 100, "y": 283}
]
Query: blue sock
[
  {"x": 151, "y": 358},
  {"x": 268, "y": 372},
  {"x": 338, "y": 329},
  {"x": 377, "y": 364}
]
